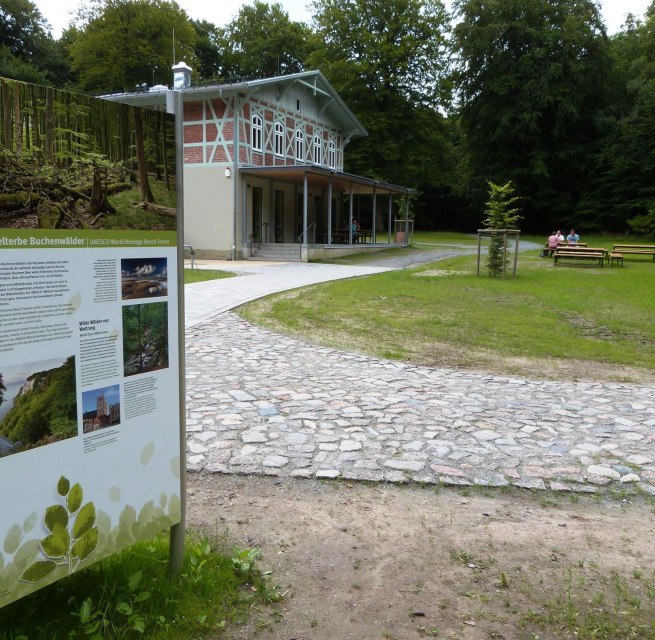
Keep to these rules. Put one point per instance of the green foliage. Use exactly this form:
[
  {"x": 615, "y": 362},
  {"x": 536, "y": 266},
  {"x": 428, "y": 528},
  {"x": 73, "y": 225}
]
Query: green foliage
[
  {"x": 500, "y": 214},
  {"x": 530, "y": 79},
  {"x": 121, "y": 42},
  {"x": 128, "y": 595},
  {"x": 263, "y": 42},
  {"x": 243, "y": 561},
  {"x": 643, "y": 224},
  {"x": 625, "y": 161},
  {"x": 27, "y": 50},
  {"x": 207, "y": 49}
]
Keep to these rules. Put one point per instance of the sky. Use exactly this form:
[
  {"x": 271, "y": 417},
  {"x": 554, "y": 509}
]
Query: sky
[{"x": 59, "y": 12}]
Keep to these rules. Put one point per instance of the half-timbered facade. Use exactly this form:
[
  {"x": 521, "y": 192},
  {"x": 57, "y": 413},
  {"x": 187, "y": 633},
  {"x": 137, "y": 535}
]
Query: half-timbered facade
[{"x": 263, "y": 166}]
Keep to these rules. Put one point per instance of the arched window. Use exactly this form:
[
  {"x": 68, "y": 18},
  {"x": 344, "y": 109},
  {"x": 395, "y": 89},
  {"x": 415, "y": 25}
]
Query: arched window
[
  {"x": 332, "y": 155},
  {"x": 279, "y": 139},
  {"x": 317, "y": 149},
  {"x": 300, "y": 145},
  {"x": 256, "y": 132}
]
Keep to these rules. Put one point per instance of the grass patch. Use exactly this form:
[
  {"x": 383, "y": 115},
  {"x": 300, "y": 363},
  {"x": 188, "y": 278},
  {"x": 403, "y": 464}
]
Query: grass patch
[
  {"x": 129, "y": 596},
  {"x": 560, "y": 316},
  {"x": 127, "y": 216},
  {"x": 201, "y": 275}
]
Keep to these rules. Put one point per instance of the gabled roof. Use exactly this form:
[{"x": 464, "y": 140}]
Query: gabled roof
[{"x": 314, "y": 81}]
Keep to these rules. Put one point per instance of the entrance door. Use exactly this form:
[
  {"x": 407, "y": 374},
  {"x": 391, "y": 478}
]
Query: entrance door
[
  {"x": 257, "y": 214},
  {"x": 278, "y": 216}
]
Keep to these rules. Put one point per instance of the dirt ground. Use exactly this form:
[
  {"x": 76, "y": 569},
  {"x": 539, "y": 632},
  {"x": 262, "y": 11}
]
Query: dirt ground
[{"x": 377, "y": 561}]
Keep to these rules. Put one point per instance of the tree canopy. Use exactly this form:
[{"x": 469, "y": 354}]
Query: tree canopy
[
  {"x": 530, "y": 83},
  {"x": 124, "y": 42},
  {"x": 262, "y": 42}
]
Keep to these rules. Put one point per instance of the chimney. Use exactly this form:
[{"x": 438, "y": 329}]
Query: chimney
[{"x": 181, "y": 76}]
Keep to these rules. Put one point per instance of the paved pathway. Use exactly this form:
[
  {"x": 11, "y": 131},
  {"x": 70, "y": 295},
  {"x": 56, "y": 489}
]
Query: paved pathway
[{"x": 259, "y": 402}]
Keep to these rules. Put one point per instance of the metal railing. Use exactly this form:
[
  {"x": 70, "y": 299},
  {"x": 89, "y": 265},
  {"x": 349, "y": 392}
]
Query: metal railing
[
  {"x": 256, "y": 236},
  {"x": 300, "y": 237},
  {"x": 192, "y": 254}
]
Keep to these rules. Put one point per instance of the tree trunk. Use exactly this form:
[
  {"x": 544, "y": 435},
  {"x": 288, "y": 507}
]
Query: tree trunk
[
  {"x": 146, "y": 193},
  {"x": 7, "y": 132},
  {"x": 99, "y": 202},
  {"x": 49, "y": 127}
]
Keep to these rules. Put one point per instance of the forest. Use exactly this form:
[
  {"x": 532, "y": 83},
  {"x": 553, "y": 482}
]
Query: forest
[
  {"x": 532, "y": 91},
  {"x": 45, "y": 409},
  {"x": 145, "y": 338},
  {"x": 71, "y": 161}
]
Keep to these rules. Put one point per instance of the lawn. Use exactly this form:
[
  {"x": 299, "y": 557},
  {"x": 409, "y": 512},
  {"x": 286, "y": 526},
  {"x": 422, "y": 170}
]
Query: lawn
[
  {"x": 560, "y": 320},
  {"x": 201, "y": 275}
]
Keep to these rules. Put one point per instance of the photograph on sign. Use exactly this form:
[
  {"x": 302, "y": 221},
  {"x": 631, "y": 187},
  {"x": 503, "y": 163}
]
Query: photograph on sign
[
  {"x": 144, "y": 278},
  {"x": 89, "y": 353}
]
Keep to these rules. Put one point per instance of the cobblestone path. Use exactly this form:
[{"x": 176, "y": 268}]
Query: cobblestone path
[{"x": 262, "y": 403}]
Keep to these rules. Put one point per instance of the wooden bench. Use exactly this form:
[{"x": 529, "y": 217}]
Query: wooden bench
[
  {"x": 615, "y": 257},
  {"x": 581, "y": 254},
  {"x": 562, "y": 245},
  {"x": 635, "y": 249}
]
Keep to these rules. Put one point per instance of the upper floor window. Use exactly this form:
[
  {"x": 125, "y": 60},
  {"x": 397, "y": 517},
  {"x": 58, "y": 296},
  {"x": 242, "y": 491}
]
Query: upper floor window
[
  {"x": 317, "y": 149},
  {"x": 256, "y": 132},
  {"x": 332, "y": 155},
  {"x": 279, "y": 139},
  {"x": 300, "y": 145}
]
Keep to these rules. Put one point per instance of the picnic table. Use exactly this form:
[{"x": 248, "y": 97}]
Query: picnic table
[
  {"x": 635, "y": 249},
  {"x": 563, "y": 245},
  {"x": 597, "y": 254}
]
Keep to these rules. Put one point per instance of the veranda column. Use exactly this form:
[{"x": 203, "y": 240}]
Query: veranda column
[
  {"x": 329, "y": 210},
  {"x": 390, "y": 212},
  {"x": 375, "y": 200},
  {"x": 304, "y": 210},
  {"x": 350, "y": 216}
]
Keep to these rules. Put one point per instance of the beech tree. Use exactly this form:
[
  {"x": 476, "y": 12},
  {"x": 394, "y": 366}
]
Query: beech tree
[
  {"x": 530, "y": 81},
  {"x": 27, "y": 49},
  {"x": 263, "y": 42},
  {"x": 121, "y": 43}
]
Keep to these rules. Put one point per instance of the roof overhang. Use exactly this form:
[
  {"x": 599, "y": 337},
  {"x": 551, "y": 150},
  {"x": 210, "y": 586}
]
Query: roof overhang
[
  {"x": 322, "y": 177},
  {"x": 313, "y": 81}
]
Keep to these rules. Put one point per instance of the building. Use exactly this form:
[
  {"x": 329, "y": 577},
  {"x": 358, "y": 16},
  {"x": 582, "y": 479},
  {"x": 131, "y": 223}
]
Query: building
[{"x": 263, "y": 170}]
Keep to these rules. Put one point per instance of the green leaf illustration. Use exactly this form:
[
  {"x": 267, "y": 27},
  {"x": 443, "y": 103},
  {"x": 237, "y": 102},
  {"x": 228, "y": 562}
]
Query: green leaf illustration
[
  {"x": 127, "y": 518},
  {"x": 114, "y": 494},
  {"x": 175, "y": 508},
  {"x": 86, "y": 518},
  {"x": 63, "y": 486},
  {"x": 56, "y": 545},
  {"x": 147, "y": 453},
  {"x": 30, "y": 523},
  {"x": 38, "y": 571},
  {"x": 86, "y": 545},
  {"x": 103, "y": 522},
  {"x": 145, "y": 515},
  {"x": 74, "y": 499},
  {"x": 12, "y": 539},
  {"x": 175, "y": 467},
  {"x": 56, "y": 516}
]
